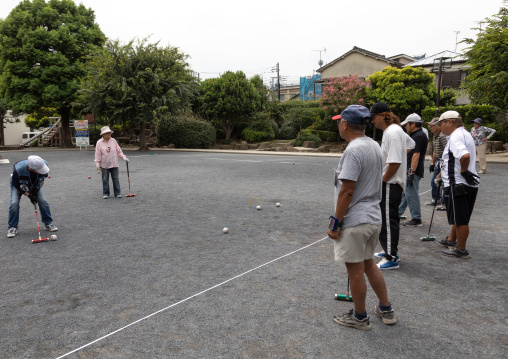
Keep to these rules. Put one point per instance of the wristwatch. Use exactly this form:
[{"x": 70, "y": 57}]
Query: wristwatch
[{"x": 335, "y": 224}]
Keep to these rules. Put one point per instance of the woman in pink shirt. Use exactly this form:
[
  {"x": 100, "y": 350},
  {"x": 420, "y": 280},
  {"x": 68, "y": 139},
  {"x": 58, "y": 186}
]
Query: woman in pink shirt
[{"x": 107, "y": 152}]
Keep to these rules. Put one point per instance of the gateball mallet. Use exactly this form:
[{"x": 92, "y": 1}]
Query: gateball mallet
[
  {"x": 38, "y": 229},
  {"x": 129, "y": 179},
  {"x": 347, "y": 297},
  {"x": 429, "y": 237}
]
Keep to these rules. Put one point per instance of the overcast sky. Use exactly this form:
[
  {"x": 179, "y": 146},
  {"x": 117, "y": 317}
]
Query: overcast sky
[{"x": 253, "y": 36}]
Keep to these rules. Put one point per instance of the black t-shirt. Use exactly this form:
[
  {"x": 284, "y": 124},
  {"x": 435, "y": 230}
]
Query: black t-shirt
[{"x": 421, "y": 142}]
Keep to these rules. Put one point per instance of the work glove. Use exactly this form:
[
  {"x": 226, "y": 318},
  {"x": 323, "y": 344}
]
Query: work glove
[
  {"x": 470, "y": 178},
  {"x": 98, "y": 170},
  {"x": 410, "y": 179},
  {"x": 438, "y": 181},
  {"x": 32, "y": 198},
  {"x": 126, "y": 160},
  {"x": 432, "y": 168}
]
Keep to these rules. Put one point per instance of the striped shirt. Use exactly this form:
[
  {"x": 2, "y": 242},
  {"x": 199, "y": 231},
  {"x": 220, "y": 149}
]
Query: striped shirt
[
  {"x": 479, "y": 134},
  {"x": 439, "y": 145}
]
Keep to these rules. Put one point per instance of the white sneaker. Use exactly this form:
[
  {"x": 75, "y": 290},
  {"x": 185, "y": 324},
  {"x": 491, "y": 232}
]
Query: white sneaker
[
  {"x": 12, "y": 232},
  {"x": 105, "y": 197},
  {"x": 379, "y": 254},
  {"x": 119, "y": 196},
  {"x": 430, "y": 203}
]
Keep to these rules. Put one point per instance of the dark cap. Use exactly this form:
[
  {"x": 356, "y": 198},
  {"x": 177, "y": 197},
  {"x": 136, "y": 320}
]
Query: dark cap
[
  {"x": 379, "y": 107},
  {"x": 478, "y": 121},
  {"x": 355, "y": 114}
]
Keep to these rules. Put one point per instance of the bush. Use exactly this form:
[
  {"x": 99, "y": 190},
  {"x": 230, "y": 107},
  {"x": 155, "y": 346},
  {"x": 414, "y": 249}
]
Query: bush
[
  {"x": 306, "y": 135},
  {"x": 252, "y": 135},
  {"x": 185, "y": 131},
  {"x": 287, "y": 131}
]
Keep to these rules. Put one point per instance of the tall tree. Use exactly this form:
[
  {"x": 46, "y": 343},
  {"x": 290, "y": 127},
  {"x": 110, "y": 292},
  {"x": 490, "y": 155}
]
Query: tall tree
[
  {"x": 262, "y": 90},
  {"x": 487, "y": 77},
  {"x": 406, "y": 90},
  {"x": 137, "y": 83},
  {"x": 228, "y": 100},
  {"x": 42, "y": 47}
]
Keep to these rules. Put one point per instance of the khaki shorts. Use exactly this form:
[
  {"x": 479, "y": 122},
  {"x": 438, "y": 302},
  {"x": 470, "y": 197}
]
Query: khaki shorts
[{"x": 356, "y": 244}]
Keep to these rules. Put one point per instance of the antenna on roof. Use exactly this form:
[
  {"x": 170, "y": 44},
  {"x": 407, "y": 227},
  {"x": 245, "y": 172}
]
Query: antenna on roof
[
  {"x": 320, "y": 62},
  {"x": 456, "y": 39}
]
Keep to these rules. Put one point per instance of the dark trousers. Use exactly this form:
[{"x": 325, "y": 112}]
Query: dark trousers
[{"x": 389, "y": 235}]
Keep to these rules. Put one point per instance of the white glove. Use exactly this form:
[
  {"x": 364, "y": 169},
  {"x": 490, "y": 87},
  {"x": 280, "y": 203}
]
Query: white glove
[
  {"x": 126, "y": 159},
  {"x": 438, "y": 181}
]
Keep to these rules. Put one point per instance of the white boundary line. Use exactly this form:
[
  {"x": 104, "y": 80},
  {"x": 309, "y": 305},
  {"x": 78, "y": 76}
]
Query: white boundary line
[{"x": 188, "y": 298}]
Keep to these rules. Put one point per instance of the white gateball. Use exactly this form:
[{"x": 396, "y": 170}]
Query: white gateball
[
  {"x": 258, "y": 208},
  {"x": 53, "y": 237},
  {"x": 225, "y": 230},
  {"x": 277, "y": 204}
]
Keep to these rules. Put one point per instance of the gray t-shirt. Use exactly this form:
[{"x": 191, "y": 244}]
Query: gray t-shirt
[{"x": 362, "y": 162}]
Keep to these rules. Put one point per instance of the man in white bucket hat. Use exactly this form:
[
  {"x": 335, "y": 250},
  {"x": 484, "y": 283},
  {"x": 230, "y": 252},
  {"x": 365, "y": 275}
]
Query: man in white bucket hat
[
  {"x": 27, "y": 179},
  {"x": 107, "y": 152}
]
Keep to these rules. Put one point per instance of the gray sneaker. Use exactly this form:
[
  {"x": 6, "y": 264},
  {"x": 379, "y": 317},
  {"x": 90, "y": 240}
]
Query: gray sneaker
[
  {"x": 349, "y": 320},
  {"x": 12, "y": 232},
  {"x": 388, "y": 316},
  {"x": 119, "y": 196},
  {"x": 446, "y": 243},
  {"x": 456, "y": 252},
  {"x": 51, "y": 227}
]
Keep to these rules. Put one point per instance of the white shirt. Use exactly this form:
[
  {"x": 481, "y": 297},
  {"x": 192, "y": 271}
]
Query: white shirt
[
  {"x": 394, "y": 145},
  {"x": 460, "y": 143}
]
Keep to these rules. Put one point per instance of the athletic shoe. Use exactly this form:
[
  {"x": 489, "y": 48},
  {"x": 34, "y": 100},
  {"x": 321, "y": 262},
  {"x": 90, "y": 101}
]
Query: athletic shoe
[
  {"x": 382, "y": 255},
  {"x": 430, "y": 203},
  {"x": 482, "y": 172},
  {"x": 105, "y": 197},
  {"x": 12, "y": 232},
  {"x": 456, "y": 252},
  {"x": 402, "y": 216},
  {"x": 446, "y": 243},
  {"x": 413, "y": 223},
  {"x": 119, "y": 196},
  {"x": 349, "y": 320},
  {"x": 51, "y": 227},
  {"x": 387, "y": 316},
  {"x": 441, "y": 208},
  {"x": 386, "y": 264}
]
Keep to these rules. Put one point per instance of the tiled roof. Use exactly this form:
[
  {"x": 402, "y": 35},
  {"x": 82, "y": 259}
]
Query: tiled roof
[
  {"x": 429, "y": 61},
  {"x": 362, "y": 51}
]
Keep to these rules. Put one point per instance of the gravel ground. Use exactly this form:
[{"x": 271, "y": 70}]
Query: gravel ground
[{"x": 153, "y": 276}]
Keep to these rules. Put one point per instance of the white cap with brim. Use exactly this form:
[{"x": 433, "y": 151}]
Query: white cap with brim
[
  {"x": 448, "y": 115},
  {"x": 105, "y": 129},
  {"x": 412, "y": 118},
  {"x": 38, "y": 164}
]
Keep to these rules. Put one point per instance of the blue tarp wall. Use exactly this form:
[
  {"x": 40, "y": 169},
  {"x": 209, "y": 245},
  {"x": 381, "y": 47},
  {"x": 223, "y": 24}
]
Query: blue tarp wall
[{"x": 307, "y": 88}]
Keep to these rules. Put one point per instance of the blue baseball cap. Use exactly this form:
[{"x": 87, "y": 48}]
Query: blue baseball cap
[{"x": 355, "y": 114}]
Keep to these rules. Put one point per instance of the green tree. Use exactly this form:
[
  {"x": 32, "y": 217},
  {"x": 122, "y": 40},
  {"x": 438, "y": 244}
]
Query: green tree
[
  {"x": 42, "y": 46},
  {"x": 137, "y": 83},
  {"x": 406, "y": 90},
  {"x": 228, "y": 100},
  {"x": 262, "y": 90},
  {"x": 487, "y": 77}
]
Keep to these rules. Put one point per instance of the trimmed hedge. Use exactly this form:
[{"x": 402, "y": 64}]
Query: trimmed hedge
[
  {"x": 306, "y": 135},
  {"x": 185, "y": 131}
]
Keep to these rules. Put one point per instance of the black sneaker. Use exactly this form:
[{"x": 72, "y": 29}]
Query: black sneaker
[
  {"x": 349, "y": 320},
  {"x": 413, "y": 223},
  {"x": 446, "y": 243},
  {"x": 456, "y": 252}
]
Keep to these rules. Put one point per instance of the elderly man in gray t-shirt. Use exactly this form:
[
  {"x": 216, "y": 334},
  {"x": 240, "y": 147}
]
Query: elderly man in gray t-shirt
[{"x": 356, "y": 223}]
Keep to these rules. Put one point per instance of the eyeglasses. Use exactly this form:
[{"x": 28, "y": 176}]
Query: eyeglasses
[{"x": 440, "y": 122}]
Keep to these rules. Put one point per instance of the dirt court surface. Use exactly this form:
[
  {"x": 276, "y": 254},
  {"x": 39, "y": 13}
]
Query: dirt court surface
[{"x": 118, "y": 262}]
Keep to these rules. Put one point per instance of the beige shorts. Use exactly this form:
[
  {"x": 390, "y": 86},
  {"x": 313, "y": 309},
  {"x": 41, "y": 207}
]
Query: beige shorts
[{"x": 356, "y": 244}]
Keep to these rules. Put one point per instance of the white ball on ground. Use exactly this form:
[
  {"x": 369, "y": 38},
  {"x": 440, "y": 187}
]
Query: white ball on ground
[
  {"x": 225, "y": 230},
  {"x": 258, "y": 208},
  {"x": 53, "y": 237},
  {"x": 277, "y": 204}
]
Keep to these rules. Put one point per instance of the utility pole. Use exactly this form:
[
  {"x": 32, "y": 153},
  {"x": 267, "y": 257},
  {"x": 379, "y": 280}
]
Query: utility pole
[
  {"x": 456, "y": 39},
  {"x": 278, "y": 82}
]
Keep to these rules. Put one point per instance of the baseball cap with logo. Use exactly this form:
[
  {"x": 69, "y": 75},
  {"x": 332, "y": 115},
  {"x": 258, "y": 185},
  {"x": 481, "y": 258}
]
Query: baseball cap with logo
[
  {"x": 412, "y": 118},
  {"x": 355, "y": 114},
  {"x": 38, "y": 164}
]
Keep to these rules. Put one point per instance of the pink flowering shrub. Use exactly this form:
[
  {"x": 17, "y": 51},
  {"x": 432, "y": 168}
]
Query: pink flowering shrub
[{"x": 341, "y": 92}]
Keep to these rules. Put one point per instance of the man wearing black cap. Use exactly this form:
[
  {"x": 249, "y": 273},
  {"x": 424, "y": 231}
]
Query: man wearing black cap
[
  {"x": 356, "y": 222},
  {"x": 394, "y": 145}
]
